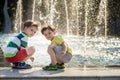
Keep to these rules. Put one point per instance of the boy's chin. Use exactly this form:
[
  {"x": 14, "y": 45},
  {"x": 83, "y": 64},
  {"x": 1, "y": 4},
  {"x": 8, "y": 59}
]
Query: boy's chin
[
  {"x": 50, "y": 39},
  {"x": 30, "y": 36}
]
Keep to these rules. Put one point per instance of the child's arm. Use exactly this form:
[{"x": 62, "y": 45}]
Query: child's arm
[
  {"x": 64, "y": 45},
  {"x": 31, "y": 58}
]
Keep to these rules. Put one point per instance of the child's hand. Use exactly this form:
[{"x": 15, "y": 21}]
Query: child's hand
[
  {"x": 32, "y": 59},
  {"x": 62, "y": 53}
]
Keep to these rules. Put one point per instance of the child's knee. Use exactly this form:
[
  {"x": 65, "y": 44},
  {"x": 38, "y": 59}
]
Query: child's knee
[
  {"x": 30, "y": 50},
  {"x": 50, "y": 47}
]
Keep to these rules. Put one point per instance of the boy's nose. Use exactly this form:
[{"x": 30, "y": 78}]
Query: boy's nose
[{"x": 32, "y": 34}]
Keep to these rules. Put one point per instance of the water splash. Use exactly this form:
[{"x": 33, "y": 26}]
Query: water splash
[
  {"x": 67, "y": 19},
  {"x": 106, "y": 15},
  {"x": 91, "y": 17},
  {"x": 18, "y": 16},
  {"x": 33, "y": 12},
  {"x": 98, "y": 51}
]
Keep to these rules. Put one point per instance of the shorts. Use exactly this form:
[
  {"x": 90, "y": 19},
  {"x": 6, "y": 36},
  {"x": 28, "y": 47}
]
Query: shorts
[
  {"x": 21, "y": 55},
  {"x": 66, "y": 58}
]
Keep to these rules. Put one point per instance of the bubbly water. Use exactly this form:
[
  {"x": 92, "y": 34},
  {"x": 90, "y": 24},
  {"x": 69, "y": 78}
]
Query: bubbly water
[{"x": 90, "y": 52}]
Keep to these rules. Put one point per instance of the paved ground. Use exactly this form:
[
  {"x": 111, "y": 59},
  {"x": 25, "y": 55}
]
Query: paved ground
[{"x": 68, "y": 72}]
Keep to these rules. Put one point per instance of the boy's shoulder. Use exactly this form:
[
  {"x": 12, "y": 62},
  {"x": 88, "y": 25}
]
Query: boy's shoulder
[
  {"x": 21, "y": 35},
  {"x": 58, "y": 35}
]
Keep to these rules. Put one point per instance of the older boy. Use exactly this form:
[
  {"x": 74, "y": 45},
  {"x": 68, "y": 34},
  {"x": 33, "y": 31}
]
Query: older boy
[{"x": 17, "y": 51}]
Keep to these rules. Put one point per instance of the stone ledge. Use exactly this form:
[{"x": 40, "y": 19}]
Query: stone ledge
[{"x": 70, "y": 78}]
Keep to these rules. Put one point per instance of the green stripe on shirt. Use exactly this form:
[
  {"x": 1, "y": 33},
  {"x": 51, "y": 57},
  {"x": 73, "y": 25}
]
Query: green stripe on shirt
[
  {"x": 9, "y": 55},
  {"x": 23, "y": 43},
  {"x": 12, "y": 44}
]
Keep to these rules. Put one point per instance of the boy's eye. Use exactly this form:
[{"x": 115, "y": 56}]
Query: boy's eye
[
  {"x": 31, "y": 30},
  {"x": 45, "y": 35},
  {"x": 49, "y": 33},
  {"x": 35, "y": 32}
]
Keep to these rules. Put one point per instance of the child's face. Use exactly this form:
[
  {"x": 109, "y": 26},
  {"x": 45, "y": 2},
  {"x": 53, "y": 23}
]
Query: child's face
[
  {"x": 30, "y": 31},
  {"x": 49, "y": 35}
]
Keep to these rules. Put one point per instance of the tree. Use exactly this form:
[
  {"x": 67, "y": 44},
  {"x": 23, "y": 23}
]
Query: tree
[{"x": 8, "y": 23}]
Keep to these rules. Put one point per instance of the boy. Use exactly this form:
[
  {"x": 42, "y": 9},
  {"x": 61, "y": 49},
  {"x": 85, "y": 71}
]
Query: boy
[
  {"x": 17, "y": 51},
  {"x": 58, "y": 50}
]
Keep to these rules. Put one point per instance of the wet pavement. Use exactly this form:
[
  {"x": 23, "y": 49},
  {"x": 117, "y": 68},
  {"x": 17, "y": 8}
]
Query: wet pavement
[{"x": 74, "y": 73}]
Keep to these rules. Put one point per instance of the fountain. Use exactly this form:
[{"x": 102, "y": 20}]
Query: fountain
[
  {"x": 84, "y": 26},
  {"x": 18, "y": 17}
]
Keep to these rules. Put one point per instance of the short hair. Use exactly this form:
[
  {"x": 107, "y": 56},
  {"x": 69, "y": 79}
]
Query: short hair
[
  {"x": 30, "y": 23},
  {"x": 49, "y": 27}
]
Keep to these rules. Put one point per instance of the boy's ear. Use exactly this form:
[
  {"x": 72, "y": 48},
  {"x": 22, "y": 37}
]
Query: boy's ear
[
  {"x": 25, "y": 27},
  {"x": 54, "y": 32}
]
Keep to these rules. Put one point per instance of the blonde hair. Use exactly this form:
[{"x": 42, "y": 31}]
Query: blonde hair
[{"x": 30, "y": 23}]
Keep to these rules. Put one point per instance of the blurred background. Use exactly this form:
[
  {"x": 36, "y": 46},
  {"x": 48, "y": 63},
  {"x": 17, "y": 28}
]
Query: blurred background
[{"x": 90, "y": 27}]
